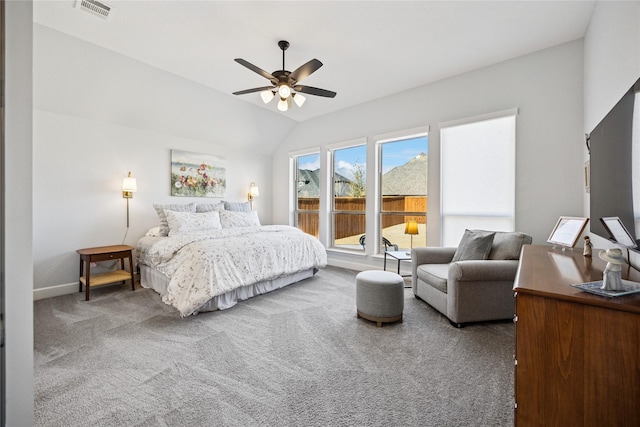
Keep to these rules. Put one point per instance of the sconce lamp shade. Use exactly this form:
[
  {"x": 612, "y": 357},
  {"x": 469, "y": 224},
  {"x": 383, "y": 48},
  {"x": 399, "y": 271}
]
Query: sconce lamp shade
[
  {"x": 129, "y": 187},
  {"x": 411, "y": 227},
  {"x": 253, "y": 190}
]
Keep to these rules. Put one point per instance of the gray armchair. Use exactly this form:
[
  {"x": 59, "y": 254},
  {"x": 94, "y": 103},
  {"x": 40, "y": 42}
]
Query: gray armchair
[{"x": 469, "y": 290}]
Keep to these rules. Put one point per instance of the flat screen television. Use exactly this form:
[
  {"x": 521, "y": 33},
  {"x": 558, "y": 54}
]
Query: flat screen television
[{"x": 615, "y": 168}]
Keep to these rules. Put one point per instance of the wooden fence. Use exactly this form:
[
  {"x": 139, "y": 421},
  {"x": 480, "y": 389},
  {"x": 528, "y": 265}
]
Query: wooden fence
[{"x": 350, "y": 224}]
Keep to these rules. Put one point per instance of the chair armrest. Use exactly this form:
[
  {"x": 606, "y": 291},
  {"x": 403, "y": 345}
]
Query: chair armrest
[
  {"x": 485, "y": 270},
  {"x": 432, "y": 255}
]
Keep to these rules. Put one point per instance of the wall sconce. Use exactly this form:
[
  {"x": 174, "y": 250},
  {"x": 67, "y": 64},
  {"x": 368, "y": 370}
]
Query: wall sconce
[
  {"x": 129, "y": 187},
  {"x": 253, "y": 192},
  {"x": 411, "y": 228}
]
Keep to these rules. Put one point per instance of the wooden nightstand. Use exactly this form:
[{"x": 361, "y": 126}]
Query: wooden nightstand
[{"x": 105, "y": 253}]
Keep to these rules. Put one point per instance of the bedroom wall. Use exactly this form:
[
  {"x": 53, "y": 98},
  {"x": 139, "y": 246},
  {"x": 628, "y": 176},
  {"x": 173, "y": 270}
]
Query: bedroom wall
[
  {"x": 545, "y": 86},
  {"x": 98, "y": 115},
  {"x": 611, "y": 66}
]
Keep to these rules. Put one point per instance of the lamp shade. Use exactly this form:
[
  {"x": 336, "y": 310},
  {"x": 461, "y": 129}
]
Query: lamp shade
[
  {"x": 253, "y": 190},
  {"x": 284, "y": 91},
  {"x": 411, "y": 227},
  {"x": 129, "y": 184},
  {"x": 283, "y": 105},
  {"x": 298, "y": 99},
  {"x": 267, "y": 96}
]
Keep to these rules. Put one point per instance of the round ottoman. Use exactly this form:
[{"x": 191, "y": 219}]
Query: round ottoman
[{"x": 379, "y": 296}]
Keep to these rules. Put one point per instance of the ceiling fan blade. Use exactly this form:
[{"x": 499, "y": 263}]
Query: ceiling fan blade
[
  {"x": 255, "y": 69},
  {"x": 255, "y": 89},
  {"x": 305, "y": 70},
  {"x": 315, "y": 91}
]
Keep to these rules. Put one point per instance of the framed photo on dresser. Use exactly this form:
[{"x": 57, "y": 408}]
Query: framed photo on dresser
[{"x": 567, "y": 231}]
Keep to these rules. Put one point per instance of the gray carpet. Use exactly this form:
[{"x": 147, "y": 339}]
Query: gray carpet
[{"x": 295, "y": 357}]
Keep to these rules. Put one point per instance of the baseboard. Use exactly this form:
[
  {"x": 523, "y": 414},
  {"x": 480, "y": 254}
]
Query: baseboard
[
  {"x": 391, "y": 266},
  {"x": 55, "y": 291}
]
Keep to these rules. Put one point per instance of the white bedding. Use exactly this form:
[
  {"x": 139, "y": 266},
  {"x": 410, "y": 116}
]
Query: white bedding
[{"x": 206, "y": 264}]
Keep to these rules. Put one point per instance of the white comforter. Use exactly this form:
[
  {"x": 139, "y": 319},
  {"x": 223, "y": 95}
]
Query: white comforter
[{"x": 205, "y": 264}]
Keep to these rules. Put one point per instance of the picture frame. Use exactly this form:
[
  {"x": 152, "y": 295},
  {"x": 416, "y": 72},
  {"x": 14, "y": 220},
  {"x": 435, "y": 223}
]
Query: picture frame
[
  {"x": 567, "y": 231},
  {"x": 618, "y": 232},
  {"x": 197, "y": 174},
  {"x": 587, "y": 176}
]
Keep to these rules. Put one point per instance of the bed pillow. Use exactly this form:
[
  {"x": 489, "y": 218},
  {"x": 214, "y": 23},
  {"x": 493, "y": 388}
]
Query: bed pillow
[
  {"x": 164, "y": 227},
  {"x": 237, "y": 206},
  {"x": 475, "y": 244},
  {"x": 153, "y": 232},
  {"x": 188, "y": 222},
  {"x": 231, "y": 219},
  {"x": 208, "y": 207}
]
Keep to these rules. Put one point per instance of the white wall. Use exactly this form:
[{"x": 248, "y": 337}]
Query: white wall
[
  {"x": 18, "y": 272},
  {"x": 545, "y": 86},
  {"x": 99, "y": 115},
  {"x": 611, "y": 66}
]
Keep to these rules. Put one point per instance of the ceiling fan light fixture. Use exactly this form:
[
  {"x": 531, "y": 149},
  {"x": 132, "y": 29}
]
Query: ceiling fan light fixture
[
  {"x": 283, "y": 105},
  {"x": 299, "y": 99},
  {"x": 284, "y": 90},
  {"x": 285, "y": 83},
  {"x": 267, "y": 96}
]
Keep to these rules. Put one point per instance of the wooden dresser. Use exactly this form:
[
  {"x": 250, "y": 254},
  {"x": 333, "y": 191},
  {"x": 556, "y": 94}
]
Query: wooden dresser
[{"x": 577, "y": 355}]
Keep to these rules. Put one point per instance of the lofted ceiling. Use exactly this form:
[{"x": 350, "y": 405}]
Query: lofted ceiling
[{"x": 370, "y": 49}]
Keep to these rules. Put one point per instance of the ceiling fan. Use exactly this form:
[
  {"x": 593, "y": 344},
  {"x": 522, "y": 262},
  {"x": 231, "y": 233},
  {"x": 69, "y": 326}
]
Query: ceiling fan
[{"x": 285, "y": 83}]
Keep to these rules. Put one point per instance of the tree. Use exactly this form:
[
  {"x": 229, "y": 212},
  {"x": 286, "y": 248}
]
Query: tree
[{"x": 358, "y": 187}]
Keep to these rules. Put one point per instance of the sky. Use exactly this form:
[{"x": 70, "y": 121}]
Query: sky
[{"x": 394, "y": 154}]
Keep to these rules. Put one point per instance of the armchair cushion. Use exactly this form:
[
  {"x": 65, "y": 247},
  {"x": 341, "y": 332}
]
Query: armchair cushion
[
  {"x": 475, "y": 245},
  {"x": 434, "y": 274},
  {"x": 508, "y": 245}
]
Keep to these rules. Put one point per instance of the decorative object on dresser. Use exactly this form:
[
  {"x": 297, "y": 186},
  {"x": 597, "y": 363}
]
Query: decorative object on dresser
[
  {"x": 567, "y": 231},
  {"x": 210, "y": 260},
  {"x": 576, "y": 354},
  {"x": 473, "y": 282},
  {"x": 588, "y": 246},
  {"x": 105, "y": 253}
]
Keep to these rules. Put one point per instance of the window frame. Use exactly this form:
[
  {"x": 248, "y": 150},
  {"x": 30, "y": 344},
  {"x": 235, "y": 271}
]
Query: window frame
[
  {"x": 294, "y": 158},
  {"x": 379, "y": 141},
  {"x": 332, "y": 212}
]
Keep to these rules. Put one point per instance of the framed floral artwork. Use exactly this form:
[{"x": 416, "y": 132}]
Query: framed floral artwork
[{"x": 197, "y": 175}]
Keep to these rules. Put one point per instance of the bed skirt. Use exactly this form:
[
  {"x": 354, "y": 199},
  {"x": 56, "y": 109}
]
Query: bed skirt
[{"x": 152, "y": 279}]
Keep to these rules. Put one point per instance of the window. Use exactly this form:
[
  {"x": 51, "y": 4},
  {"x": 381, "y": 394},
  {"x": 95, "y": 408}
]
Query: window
[
  {"x": 477, "y": 175},
  {"x": 348, "y": 208},
  {"x": 403, "y": 191},
  {"x": 307, "y": 194}
]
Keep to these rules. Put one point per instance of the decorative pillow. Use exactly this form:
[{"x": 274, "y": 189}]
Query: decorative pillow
[
  {"x": 239, "y": 219},
  {"x": 508, "y": 245},
  {"x": 208, "y": 207},
  {"x": 164, "y": 227},
  {"x": 153, "y": 232},
  {"x": 475, "y": 244},
  {"x": 188, "y": 222},
  {"x": 237, "y": 206}
]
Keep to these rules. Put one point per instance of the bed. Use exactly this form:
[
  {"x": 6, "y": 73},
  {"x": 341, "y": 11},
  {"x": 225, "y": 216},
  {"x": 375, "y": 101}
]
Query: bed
[{"x": 209, "y": 260}]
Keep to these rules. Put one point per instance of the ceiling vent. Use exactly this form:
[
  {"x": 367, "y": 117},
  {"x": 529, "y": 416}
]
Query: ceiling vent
[{"x": 96, "y": 8}]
